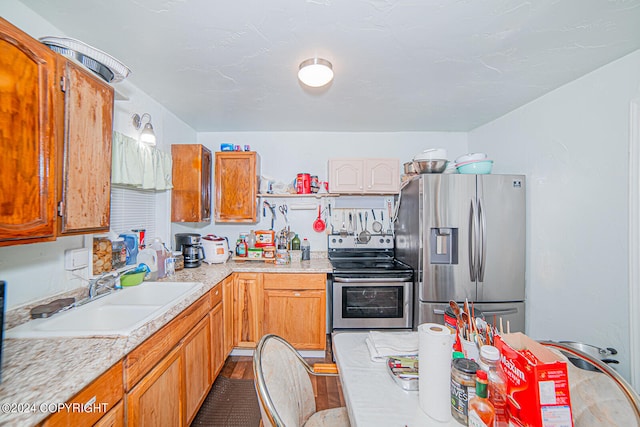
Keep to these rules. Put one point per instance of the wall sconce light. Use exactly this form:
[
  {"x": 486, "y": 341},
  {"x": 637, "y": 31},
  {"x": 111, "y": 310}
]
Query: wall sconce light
[
  {"x": 147, "y": 136},
  {"x": 315, "y": 72}
]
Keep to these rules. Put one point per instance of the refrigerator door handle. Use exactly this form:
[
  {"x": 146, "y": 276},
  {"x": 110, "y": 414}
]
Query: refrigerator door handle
[
  {"x": 472, "y": 241},
  {"x": 500, "y": 312},
  {"x": 482, "y": 256}
]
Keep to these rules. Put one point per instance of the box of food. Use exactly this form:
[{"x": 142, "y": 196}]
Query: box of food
[{"x": 537, "y": 383}]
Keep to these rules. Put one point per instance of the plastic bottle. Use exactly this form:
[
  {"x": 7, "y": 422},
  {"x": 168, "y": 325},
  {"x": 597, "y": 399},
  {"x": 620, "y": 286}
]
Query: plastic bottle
[
  {"x": 305, "y": 247},
  {"x": 162, "y": 254},
  {"x": 295, "y": 243},
  {"x": 481, "y": 410},
  {"x": 241, "y": 248},
  {"x": 497, "y": 390},
  {"x": 251, "y": 239}
]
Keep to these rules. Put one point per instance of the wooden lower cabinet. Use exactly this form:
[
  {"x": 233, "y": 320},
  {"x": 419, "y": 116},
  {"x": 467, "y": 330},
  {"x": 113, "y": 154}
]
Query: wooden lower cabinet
[
  {"x": 170, "y": 390},
  {"x": 218, "y": 354},
  {"x": 247, "y": 313},
  {"x": 197, "y": 367},
  {"x": 158, "y": 399},
  {"x": 103, "y": 394},
  {"x": 113, "y": 418},
  {"x": 294, "y": 307},
  {"x": 227, "y": 314}
]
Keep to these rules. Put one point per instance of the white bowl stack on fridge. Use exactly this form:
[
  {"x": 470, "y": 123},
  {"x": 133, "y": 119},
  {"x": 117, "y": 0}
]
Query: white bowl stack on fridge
[{"x": 432, "y": 160}]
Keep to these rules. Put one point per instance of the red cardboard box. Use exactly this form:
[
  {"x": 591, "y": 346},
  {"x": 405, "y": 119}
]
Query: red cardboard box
[{"x": 537, "y": 383}]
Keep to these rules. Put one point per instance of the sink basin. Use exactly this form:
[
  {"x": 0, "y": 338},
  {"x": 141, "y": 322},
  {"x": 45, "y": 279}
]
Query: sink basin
[{"x": 117, "y": 314}]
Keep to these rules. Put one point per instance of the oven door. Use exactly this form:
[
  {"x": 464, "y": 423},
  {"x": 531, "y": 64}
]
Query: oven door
[{"x": 372, "y": 303}]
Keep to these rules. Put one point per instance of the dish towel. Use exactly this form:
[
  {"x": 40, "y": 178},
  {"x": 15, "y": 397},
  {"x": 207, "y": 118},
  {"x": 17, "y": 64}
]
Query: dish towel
[{"x": 384, "y": 344}]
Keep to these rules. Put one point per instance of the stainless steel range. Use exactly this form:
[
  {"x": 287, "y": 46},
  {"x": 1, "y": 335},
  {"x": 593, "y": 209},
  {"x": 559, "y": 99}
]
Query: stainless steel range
[{"x": 370, "y": 289}]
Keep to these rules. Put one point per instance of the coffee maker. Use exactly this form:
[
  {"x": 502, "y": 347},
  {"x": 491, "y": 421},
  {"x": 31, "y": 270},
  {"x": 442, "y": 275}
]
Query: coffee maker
[{"x": 190, "y": 244}]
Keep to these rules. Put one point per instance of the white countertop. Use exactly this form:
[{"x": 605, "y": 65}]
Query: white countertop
[{"x": 372, "y": 397}]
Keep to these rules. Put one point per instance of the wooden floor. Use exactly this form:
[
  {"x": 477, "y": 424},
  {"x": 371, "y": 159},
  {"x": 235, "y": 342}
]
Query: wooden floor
[{"x": 327, "y": 388}]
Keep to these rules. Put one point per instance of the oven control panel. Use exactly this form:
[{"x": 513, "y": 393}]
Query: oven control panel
[{"x": 376, "y": 241}]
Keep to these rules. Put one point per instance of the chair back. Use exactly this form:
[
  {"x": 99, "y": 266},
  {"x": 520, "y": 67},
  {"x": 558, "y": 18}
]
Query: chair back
[{"x": 282, "y": 383}]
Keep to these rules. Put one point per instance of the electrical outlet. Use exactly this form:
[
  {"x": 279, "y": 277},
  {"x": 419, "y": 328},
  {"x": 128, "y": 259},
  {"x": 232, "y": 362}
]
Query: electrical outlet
[{"x": 75, "y": 259}]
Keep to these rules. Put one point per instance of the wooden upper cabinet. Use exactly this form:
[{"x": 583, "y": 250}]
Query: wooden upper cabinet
[
  {"x": 236, "y": 186},
  {"x": 28, "y": 155},
  {"x": 86, "y": 165},
  {"x": 191, "y": 194}
]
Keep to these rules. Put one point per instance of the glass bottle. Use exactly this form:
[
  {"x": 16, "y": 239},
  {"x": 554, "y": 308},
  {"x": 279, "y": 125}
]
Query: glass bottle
[
  {"x": 295, "y": 243},
  {"x": 497, "y": 390},
  {"x": 481, "y": 411}
]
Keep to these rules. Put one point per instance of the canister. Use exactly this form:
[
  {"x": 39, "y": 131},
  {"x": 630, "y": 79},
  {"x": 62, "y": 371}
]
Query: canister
[
  {"x": 303, "y": 183},
  {"x": 282, "y": 257},
  {"x": 179, "y": 260},
  {"x": 119, "y": 253},
  {"x": 102, "y": 254},
  {"x": 463, "y": 387}
]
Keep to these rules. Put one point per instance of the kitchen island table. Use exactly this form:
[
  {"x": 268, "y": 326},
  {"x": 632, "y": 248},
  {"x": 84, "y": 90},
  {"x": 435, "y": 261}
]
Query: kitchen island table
[{"x": 371, "y": 395}]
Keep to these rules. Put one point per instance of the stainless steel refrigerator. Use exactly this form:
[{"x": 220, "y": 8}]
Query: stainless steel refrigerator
[{"x": 464, "y": 236}]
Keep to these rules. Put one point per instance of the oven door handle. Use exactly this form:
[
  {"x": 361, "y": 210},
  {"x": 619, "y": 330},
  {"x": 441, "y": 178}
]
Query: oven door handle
[{"x": 371, "y": 279}]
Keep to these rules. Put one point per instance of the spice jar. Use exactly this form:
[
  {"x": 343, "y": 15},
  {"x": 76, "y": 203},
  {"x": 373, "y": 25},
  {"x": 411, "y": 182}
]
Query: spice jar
[{"x": 463, "y": 387}]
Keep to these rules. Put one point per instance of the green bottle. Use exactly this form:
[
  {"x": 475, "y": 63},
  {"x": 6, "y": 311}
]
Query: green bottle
[{"x": 295, "y": 243}]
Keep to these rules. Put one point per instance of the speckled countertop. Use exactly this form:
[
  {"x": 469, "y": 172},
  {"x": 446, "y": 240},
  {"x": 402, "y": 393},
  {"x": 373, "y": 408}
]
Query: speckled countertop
[{"x": 41, "y": 372}]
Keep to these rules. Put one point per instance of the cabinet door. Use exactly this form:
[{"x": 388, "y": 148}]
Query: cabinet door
[
  {"x": 113, "y": 418},
  {"x": 236, "y": 175},
  {"x": 29, "y": 151},
  {"x": 227, "y": 307},
  {"x": 346, "y": 175},
  {"x": 295, "y": 308},
  {"x": 297, "y": 316},
  {"x": 191, "y": 194},
  {"x": 247, "y": 314},
  {"x": 88, "y": 128},
  {"x": 197, "y": 367},
  {"x": 382, "y": 175},
  {"x": 218, "y": 354},
  {"x": 157, "y": 400}
]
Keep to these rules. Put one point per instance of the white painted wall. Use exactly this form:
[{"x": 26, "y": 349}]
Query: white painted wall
[
  {"x": 36, "y": 271},
  {"x": 573, "y": 146},
  {"x": 285, "y": 154}
]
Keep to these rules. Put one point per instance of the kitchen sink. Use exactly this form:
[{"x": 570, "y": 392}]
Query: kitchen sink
[{"x": 117, "y": 314}]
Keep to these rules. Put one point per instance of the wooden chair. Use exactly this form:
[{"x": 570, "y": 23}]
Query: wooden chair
[{"x": 284, "y": 389}]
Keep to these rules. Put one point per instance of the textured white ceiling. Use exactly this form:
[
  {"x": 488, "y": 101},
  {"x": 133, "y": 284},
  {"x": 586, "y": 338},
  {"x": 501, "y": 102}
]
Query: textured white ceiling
[{"x": 421, "y": 65}]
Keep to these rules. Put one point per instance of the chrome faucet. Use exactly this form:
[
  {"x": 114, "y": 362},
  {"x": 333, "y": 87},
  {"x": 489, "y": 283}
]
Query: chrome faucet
[{"x": 106, "y": 283}]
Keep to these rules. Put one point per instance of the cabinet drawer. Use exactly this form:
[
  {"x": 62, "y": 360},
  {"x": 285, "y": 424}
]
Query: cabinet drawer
[
  {"x": 294, "y": 281},
  {"x": 216, "y": 295},
  {"x": 149, "y": 353},
  {"x": 102, "y": 394}
]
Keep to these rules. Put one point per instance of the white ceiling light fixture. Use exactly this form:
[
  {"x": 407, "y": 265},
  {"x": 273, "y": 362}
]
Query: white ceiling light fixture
[
  {"x": 147, "y": 136},
  {"x": 315, "y": 72}
]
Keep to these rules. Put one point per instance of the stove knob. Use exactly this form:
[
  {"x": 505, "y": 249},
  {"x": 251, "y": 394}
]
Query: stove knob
[
  {"x": 388, "y": 240},
  {"x": 340, "y": 240},
  {"x": 381, "y": 240},
  {"x": 333, "y": 240}
]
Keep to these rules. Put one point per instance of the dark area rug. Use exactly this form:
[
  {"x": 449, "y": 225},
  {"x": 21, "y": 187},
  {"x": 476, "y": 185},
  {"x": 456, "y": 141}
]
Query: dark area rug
[{"x": 230, "y": 403}]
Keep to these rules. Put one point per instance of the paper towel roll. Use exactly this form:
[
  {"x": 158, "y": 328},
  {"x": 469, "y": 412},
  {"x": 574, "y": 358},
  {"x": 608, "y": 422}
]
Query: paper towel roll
[{"x": 434, "y": 370}]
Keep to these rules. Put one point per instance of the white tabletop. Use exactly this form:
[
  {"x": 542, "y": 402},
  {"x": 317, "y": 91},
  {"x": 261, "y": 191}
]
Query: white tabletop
[{"x": 371, "y": 395}]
